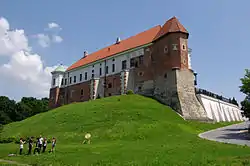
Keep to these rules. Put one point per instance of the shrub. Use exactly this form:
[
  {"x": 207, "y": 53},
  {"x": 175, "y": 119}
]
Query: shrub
[
  {"x": 130, "y": 92},
  {"x": 7, "y": 140}
]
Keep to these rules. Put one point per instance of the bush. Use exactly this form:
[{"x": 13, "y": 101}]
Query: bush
[
  {"x": 7, "y": 140},
  {"x": 98, "y": 97},
  {"x": 130, "y": 92}
]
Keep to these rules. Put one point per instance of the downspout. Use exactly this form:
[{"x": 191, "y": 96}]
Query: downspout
[{"x": 105, "y": 78}]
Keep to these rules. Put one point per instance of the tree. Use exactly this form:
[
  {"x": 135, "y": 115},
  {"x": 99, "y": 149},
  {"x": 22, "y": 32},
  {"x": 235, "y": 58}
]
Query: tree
[
  {"x": 7, "y": 110},
  {"x": 10, "y": 111},
  {"x": 245, "y": 88}
]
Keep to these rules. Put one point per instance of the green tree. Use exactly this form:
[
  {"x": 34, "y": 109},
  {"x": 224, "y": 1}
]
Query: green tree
[
  {"x": 245, "y": 88},
  {"x": 10, "y": 111},
  {"x": 7, "y": 110}
]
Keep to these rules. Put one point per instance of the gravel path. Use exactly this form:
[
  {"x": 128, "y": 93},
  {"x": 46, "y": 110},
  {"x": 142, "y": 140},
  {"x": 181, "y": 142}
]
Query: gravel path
[{"x": 233, "y": 134}]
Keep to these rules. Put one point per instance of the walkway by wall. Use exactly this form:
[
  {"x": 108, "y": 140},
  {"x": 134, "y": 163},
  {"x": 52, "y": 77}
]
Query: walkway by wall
[{"x": 219, "y": 110}]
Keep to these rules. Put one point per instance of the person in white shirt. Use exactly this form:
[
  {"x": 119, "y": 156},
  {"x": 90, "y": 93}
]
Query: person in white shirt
[
  {"x": 40, "y": 143},
  {"x": 21, "y": 146}
]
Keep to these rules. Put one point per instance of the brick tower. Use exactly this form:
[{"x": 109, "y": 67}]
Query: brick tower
[
  {"x": 174, "y": 80},
  {"x": 56, "y": 84}
]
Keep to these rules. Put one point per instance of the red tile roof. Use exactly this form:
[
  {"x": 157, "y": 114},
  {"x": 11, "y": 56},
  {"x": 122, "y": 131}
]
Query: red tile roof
[
  {"x": 172, "y": 25},
  {"x": 132, "y": 42},
  {"x": 146, "y": 37}
]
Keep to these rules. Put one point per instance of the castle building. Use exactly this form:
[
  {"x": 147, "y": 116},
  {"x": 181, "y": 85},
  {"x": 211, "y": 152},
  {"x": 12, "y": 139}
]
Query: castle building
[{"x": 156, "y": 63}]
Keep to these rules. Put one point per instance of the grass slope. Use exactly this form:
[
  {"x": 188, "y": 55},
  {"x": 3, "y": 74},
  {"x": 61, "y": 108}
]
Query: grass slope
[{"x": 126, "y": 130}]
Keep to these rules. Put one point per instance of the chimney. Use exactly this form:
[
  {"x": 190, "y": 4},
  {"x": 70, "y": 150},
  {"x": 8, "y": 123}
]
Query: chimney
[
  {"x": 85, "y": 53},
  {"x": 118, "y": 40}
]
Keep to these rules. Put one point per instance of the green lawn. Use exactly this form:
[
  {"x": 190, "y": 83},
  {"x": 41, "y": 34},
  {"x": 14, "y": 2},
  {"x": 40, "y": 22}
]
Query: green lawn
[{"x": 126, "y": 130}]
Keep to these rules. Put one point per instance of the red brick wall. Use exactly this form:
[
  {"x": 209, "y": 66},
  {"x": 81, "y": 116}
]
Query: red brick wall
[
  {"x": 163, "y": 61},
  {"x": 53, "y": 97},
  {"x": 115, "y": 82},
  {"x": 76, "y": 94},
  {"x": 144, "y": 71}
]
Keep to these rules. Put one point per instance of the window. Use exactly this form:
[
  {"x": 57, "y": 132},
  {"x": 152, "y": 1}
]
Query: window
[
  {"x": 74, "y": 79},
  {"x": 141, "y": 59},
  {"x": 54, "y": 81},
  {"x": 183, "y": 47},
  {"x": 136, "y": 64},
  {"x": 141, "y": 73},
  {"x": 70, "y": 80},
  {"x": 184, "y": 61},
  {"x": 113, "y": 60},
  {"x": 113, "y": 67},
  {"x": 93, "y": 75},
  {"x": 71, "y": 93},
  {"x": 93, "y": 71},
  {"x": 109, "y": 85},
  {"x": 86, "y": 76},
  {"x": 80, "y": 77},
  {"x": 174, "y": 47},
  {"x": 132, "y": 62},
  {"x": 93, "y": 66},
  {"x": 100, "y": 71},
  {"x": 166, "y": 49},
  {"x": 124, "y": 64},
  {"x": 107, "y": 69},
  {"x": 62, "y": 82},
  {"x": 65, "y": 81},
  {"x": 165, "y": 75},
  {"x": 81, "y": 92}
]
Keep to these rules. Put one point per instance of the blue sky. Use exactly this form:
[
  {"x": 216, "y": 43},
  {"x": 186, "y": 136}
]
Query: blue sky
[{"x": 219, "y": 32}]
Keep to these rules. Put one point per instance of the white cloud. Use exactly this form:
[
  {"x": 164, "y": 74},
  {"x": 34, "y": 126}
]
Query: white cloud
[
  {"x": 43, "y": 40},
  {"x": 28, "y": 69},
  {"x": 57, "y": 39},
  {"x": 25, "y": 72},
  {"x": 53, "y": 25},
  {"x": 11, "y": 41}
]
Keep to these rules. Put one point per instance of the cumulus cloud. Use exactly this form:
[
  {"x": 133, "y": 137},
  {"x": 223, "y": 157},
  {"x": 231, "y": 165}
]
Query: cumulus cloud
[
  {"x": 25, "y": 70},
  {"x": 45, "y": 40},
  {"x": 57, "y": 39},
  {"x": 11, "y": 41},
  {"x": 53, "y": 25}
]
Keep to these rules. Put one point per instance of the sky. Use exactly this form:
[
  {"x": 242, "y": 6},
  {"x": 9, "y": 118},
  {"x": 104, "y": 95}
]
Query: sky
[{"x": 36, "y": 36}]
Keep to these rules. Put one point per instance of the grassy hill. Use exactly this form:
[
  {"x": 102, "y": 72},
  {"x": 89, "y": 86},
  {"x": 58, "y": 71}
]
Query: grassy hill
[{"x": 126, "y": 130}]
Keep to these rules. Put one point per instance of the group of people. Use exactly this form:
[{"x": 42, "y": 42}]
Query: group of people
[{"x": 40, "y": 145}]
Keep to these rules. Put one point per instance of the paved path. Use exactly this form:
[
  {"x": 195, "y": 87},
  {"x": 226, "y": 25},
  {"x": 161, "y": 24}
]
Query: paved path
[
  {"x": 12, "y": 162},
  {"x": 233, "y": 134}
]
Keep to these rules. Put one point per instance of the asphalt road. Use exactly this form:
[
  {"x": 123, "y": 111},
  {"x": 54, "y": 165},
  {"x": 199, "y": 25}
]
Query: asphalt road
[{"x": 233, "y": 134}]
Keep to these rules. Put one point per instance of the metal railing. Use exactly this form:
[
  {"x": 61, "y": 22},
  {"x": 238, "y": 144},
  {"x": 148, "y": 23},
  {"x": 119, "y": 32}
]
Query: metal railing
[{"x": 213, "y": 95}]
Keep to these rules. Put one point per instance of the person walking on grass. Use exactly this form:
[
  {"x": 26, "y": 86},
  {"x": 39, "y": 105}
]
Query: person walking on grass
[
  {"x": 30, "y": 145},
  {"x": 53, "y": 144},
  {"x": 21, "y": 145},
  {"x": 40, "y": 143},
  {"x": 37, "y": 146},
  {"x": 44, "y": 145}
]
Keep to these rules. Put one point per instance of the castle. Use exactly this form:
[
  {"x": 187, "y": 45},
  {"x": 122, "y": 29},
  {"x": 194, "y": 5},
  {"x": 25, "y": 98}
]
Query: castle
[{"x": 153, "y": 63}]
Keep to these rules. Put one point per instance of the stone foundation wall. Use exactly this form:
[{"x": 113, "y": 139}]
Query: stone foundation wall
[
  {"x": 190, "y": 106},
  {"x": 176, "y": 89}
]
